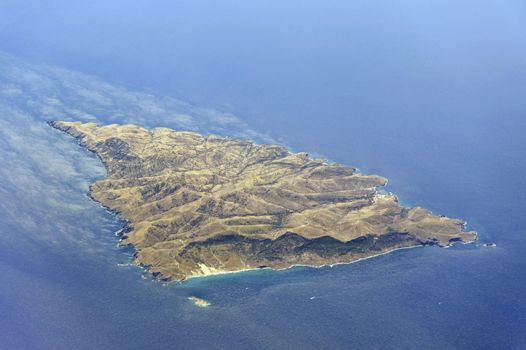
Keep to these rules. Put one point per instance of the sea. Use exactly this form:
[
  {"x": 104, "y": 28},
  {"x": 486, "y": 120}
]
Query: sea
[{"x": 430, "y": 94}]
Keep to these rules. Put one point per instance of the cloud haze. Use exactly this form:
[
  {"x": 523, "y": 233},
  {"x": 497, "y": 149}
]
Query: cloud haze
[{"x": 45, "y": 176}]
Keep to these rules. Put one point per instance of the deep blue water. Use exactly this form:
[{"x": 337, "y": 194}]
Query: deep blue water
[{"x": 429, "y": 94}]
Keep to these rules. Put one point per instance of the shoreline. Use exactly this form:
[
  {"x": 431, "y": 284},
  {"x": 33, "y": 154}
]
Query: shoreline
[
  {"x": 215, "y": 274},
  {"x": 219, "y": 273},
  {"x": 379, "y": 192}
]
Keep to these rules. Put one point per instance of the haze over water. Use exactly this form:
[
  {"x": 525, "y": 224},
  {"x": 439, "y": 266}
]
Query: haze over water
[{"x": 428, "y": 94}]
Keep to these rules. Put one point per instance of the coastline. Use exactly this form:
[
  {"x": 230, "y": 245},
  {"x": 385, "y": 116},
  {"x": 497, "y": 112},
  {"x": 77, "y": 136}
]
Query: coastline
[
  {"x": 127, "y": 226},
  {"x": 219, "y": 273}
]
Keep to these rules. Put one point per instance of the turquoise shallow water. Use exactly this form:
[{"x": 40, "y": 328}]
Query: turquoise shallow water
[{"x": 429, "y": 96}]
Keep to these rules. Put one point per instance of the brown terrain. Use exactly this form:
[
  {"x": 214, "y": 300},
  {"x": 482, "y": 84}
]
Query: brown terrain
[{"x": 199, "y": 205}]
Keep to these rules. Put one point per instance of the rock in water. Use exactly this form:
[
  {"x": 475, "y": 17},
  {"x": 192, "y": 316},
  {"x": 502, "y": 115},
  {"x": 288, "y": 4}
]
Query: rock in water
[{"x": 199, "y": 302}]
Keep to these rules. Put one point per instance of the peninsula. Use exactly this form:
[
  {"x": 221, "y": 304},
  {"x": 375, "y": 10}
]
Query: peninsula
[{"x": 199, "y": 205}]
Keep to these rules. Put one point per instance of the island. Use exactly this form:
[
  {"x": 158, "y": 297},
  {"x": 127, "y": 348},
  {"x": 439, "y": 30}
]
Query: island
[
  {"x": 199, "y": 302},
  {"x": 201, "y": 205}
]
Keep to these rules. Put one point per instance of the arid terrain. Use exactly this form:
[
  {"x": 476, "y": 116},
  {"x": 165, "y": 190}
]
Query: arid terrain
[{"x": 199, "y": 205}]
